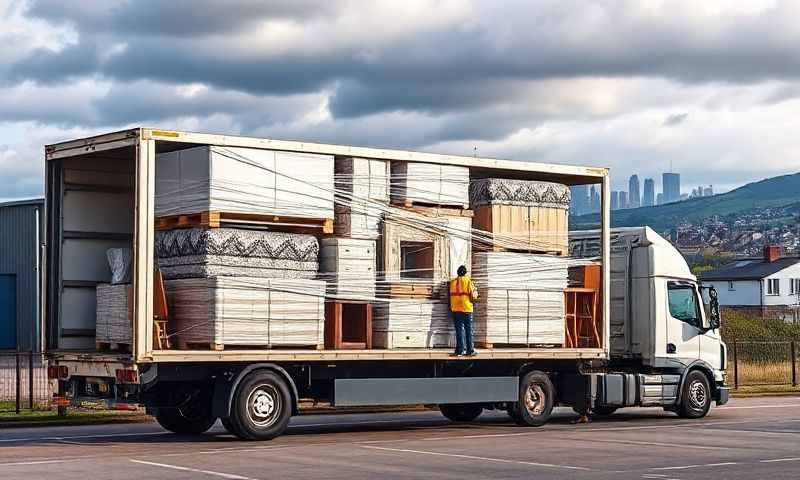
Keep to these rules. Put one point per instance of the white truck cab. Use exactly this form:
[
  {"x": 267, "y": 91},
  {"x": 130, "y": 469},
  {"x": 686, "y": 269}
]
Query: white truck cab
[{"x": 664, "y": 325}]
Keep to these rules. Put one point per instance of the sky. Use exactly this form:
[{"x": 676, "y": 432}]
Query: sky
[{"x": 711, "y": 88}]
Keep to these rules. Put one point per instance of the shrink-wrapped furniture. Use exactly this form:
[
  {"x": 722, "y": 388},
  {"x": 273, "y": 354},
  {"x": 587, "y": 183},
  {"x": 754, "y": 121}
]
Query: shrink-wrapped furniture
[
  {"x": 201, "y": 252},
  {"x": 521, "y": 298},
  {"x": 429, "y": 184},
  {"x": 348, "y": 265},
  {"x": 225, "y": 312},
  {"x": 244, "y": 180},
  {"x": 113, "y": 322},
  {"x": 362, "y": 188},
  {"x": 520, "y": 215},
  {"x": 412, "y": 323}
]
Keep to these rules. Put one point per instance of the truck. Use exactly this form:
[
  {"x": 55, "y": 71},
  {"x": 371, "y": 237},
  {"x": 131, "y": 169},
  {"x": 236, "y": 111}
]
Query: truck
[{"x": 659, "y": 338}]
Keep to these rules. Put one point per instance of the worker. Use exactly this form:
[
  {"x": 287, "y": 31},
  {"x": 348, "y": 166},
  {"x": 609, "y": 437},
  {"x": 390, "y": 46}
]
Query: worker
[{"x": 462, "y": 294}]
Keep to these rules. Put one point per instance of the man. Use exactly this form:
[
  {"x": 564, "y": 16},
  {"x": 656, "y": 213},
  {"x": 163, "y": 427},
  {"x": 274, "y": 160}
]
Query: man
[{"x": 462, "y": 294}]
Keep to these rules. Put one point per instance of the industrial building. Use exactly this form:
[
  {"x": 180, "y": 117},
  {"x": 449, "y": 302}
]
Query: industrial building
[{"x": 21, "y": 237}]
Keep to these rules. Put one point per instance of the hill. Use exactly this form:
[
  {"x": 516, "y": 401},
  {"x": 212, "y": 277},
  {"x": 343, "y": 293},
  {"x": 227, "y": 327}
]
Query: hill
[{"x": 772, "y": 192}]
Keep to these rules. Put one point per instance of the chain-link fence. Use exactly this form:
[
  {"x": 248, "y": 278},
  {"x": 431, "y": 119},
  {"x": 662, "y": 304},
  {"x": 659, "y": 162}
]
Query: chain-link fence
[
  {"x": 23, "y": 382},
  {"x": 762, "y": 363}
]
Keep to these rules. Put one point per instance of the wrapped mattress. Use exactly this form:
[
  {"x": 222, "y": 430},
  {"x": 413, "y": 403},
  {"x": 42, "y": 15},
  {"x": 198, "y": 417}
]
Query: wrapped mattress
[{"x": 199, "y": 253}]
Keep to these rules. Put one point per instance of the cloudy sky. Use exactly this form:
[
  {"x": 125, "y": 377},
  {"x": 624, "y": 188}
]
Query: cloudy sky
[{"x": 711, "y": 86}]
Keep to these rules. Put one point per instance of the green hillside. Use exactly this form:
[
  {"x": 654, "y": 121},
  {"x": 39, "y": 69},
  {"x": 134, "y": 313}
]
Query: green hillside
[{"x": 772, "y": 192}]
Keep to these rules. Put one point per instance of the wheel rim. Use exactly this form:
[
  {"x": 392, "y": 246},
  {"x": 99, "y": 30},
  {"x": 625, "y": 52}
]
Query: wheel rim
[
  {"x": 535, "y": 399},
  {"x": 697, "y": 394},
  {"x": 264, "y": 405}
]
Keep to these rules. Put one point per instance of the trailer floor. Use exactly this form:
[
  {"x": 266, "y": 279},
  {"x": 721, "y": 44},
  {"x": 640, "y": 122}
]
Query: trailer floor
[{"x": 749, "y": 438}]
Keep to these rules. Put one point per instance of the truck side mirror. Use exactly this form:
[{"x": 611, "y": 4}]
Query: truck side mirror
[{"x": 715, "y": 319}]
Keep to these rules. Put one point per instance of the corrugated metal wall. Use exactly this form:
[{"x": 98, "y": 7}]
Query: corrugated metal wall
[{"x": 18, "y": 252}]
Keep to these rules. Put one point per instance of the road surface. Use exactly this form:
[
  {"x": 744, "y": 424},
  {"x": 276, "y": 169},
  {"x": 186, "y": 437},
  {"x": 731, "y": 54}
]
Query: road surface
[{"x": 748, "y": 439}]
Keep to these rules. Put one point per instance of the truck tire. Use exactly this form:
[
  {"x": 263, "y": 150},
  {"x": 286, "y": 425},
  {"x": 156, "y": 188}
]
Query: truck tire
[
  {"x": 261, "y": 406},
  {"x": 696, "y": 396},
  {"x": 193, "y": 418},
  {"x": 461, "y": 412},
  {"x": 536, "y": 398},
  {"x": 226, "y": 422}
]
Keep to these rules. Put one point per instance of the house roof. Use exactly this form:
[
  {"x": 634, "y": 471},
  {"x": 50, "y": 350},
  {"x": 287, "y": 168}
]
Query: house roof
[{"x": 753, "y": 269}]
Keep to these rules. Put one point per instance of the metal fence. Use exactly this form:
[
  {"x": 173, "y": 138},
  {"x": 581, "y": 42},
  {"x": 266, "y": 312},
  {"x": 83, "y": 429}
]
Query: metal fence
[
  {"x": 752, "y": 363},
  {"x": 23, "y": 382}
]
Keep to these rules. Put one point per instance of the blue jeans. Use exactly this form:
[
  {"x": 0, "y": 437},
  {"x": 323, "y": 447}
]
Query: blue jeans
[{"x": 463, "y": 324}]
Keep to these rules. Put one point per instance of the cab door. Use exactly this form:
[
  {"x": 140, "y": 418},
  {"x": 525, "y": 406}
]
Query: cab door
[{"x": 684, "y": 321}]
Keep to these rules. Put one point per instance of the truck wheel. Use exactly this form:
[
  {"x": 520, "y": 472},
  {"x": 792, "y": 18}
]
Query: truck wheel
[
  {"x": 226, "y": 422},
  {"x": 536, "y": 397},
  {"x": 461, "y": 412},
  {"x": 194, "y": 418},
  {"x": 261, "y": 407},
  {"x": 696, "y": 396}
]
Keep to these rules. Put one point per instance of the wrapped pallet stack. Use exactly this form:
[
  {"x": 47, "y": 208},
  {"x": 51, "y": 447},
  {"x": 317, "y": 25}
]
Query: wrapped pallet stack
[
  {"x": 522, "y": 298},
  {"x": 249, "y": 287},
  {"x": 254, "y": 285},
  {"x": 362, "y": 191},
  {"x": 218, "y": 312},
  {"x": 413, "y": 323},
  {"x": 113, "y": 323},
  {"x": 415, "y": 183}
]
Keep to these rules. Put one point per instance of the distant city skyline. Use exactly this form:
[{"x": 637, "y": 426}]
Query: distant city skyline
[{"x": 586, "y": 199}]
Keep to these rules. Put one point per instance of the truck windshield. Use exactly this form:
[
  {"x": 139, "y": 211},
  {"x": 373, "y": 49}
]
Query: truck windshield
[{"x": 683, "y": 303}]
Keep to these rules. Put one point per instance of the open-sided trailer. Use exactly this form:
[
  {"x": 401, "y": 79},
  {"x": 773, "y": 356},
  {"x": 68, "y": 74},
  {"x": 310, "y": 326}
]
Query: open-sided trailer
[{"x": 100, "y": 193}]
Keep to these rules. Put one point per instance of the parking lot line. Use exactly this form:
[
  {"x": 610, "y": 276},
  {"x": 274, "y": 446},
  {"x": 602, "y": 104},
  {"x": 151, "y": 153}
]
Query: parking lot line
[
  {"x": 230, "y": 476},
  {"x": 473, "y": 457}
]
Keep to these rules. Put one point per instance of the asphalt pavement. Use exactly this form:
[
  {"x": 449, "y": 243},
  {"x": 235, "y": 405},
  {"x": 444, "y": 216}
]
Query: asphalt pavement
[{"x": 751, "y": 438}]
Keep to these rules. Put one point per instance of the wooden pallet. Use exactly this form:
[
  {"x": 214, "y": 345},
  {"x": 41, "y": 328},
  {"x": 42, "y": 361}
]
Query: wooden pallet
[
  {"x": 218, "y": 347},
  {"x": 432, "y": 209},
  {"x": 214, "y": 219},
  {"x": 488, "y": 345},
  {"x": 113, "y": 347}
]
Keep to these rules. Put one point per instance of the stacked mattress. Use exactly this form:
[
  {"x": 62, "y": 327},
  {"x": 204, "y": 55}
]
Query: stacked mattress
[
  {"x": 200, "y": 253},
  {"x": 362, "y": 186},
  {"x": 248, "y": 312},
  {"x": 113, "y": 321},
  {"x": 507, "y": 191},
  {"x": 521, "y": 298},
  {"x": 412, "y": 323},
  {"x": 429, "y": 183},
  {"x": 348, "y": 265}
]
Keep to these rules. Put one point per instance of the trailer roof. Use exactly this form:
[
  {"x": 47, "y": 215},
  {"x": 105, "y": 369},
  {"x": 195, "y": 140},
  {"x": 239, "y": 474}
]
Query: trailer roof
[{"x": 169, "y": 140}]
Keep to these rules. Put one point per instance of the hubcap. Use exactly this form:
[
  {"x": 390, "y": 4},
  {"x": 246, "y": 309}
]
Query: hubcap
[
  {"x": 697, "y": 394},
  {"x": 535, "y": 399},
  {"x": 263, "y": 405}
]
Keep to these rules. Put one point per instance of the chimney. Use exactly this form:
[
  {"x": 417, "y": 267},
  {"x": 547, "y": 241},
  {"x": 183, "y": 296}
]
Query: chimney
[{"x": 772, "y": 253}]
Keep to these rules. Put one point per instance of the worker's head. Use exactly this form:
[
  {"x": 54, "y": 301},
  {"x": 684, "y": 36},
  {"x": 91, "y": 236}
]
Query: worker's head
[{"x": 462, "y": 270}]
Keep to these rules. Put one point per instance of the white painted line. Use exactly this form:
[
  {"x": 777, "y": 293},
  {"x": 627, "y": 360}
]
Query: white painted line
[
  {"x": 194, "y": 470},
  {"x": 654, "y": 444},
  {"x": 684, "y": 467},
  {"x": 769, "y": 405},
  {"x": 39, "y": 462},
  {"x": 76, "y": 437},
  {"x": 793, "y": 459},
  {"x": 472, "y": 457}
]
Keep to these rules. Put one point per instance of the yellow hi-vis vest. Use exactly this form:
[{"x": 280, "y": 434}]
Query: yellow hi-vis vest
[{"x": 462, "y": 293}]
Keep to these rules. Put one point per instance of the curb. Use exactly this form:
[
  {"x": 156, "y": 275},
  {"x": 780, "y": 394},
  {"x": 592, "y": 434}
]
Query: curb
[
  {"x": 76, "y": 421},
  {"x": 764, "y": 394}
]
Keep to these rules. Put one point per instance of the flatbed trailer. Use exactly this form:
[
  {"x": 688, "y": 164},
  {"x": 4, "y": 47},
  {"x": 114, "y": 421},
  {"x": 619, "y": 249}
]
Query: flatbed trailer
[{"x": 255, "y": 391}]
